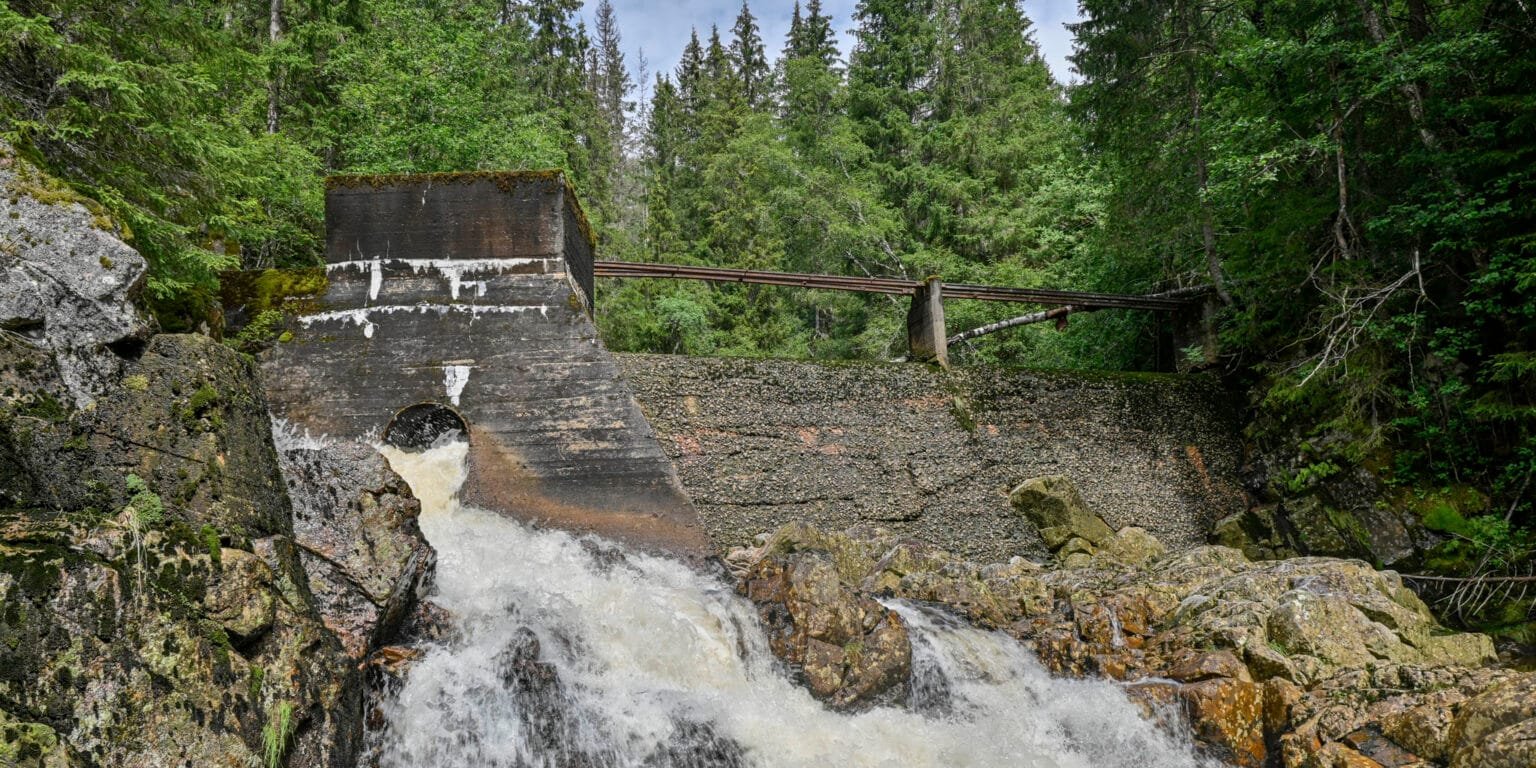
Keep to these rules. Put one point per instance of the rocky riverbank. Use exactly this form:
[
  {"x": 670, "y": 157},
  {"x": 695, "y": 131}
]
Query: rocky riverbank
[
  {"x": 1301, "y": 663},
  {"x": 163, "y": 602}
]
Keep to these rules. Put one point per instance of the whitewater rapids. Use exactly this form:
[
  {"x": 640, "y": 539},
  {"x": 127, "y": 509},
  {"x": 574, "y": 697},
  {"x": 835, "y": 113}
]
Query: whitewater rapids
[{"x": 570, "y": 651}]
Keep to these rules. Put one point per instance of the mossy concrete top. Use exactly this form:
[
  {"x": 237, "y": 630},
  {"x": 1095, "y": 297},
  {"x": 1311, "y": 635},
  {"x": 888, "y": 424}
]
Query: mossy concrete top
[{"x": 476, "y": 215}]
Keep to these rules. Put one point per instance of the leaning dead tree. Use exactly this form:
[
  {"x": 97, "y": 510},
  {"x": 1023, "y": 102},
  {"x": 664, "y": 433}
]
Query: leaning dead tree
[{"x": 1060, "y": 314}]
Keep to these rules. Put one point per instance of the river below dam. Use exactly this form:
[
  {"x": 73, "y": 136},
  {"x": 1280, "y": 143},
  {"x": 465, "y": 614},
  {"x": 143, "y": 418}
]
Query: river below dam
[{"x": 570, "y": 651}]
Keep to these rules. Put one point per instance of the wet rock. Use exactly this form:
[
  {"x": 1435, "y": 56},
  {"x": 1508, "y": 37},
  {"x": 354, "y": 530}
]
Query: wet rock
[
  {"x": 1053, "y": 504},
  {"x": 67, "y": 281},
  {"x": 852, "y": 651},
  {"x": 1228, "y": 718},
  {"x": 355, "y": 523},
  {"x": 1300, "y": 662}
]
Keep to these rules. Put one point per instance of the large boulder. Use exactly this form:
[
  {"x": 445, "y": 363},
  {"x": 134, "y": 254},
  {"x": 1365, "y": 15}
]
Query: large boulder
[
  {"x": 355, "y": 522},
  {"x": 852, "y": 651},
  {"x": 1053, "y": 504},
  {"x": 66, "y": 280},
  {"x": 156, "y": 612}
]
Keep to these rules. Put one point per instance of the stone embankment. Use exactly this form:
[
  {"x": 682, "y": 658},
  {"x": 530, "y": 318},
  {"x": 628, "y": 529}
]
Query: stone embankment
[
  {"x": 933, "y": 454},
  {"x": 161, "y": 605},
  {"x": 1302, "y": 663}
]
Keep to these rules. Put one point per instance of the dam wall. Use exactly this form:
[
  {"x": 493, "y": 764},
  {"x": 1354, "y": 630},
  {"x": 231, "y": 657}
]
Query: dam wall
[
  {"x": 932, "y": 453},
  {"x": 462, "y": 302}
]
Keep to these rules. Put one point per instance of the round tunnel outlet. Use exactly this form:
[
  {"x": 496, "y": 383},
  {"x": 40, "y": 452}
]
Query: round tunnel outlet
[{"x": 416, "y": 428}]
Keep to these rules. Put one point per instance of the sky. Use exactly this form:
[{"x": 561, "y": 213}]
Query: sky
[{"x": 660, "y": 29}]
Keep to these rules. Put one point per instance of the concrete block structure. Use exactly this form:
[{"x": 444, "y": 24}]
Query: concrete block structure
[{"x": 462, "y": 301}]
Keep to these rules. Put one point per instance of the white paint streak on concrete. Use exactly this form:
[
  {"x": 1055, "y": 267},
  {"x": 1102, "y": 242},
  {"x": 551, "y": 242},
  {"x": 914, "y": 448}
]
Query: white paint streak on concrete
[{"x": 454, "y": 379}]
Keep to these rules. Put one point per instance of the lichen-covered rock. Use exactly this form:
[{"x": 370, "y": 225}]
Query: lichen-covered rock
[
  {"x": 156, "y": 610},
  {"x": 1228, "y": 717},
  {"x": 66, "y": 280},
  {"x": 1300, "y": 662},
  {"x": 852, "y": 651},
  {"x": 30, "y": 745},
  {"x": 355, "y": 523},
  {"x": 1497, "y": 729},
  {"x": 1053, "y": 504},
  {"x": 1132, "y": 547},
  {"x": 241, "y": 596}
]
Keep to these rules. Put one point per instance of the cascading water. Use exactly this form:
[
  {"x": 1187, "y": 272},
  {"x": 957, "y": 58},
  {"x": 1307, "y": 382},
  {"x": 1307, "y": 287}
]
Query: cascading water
[{"x": 570, "y": 651}]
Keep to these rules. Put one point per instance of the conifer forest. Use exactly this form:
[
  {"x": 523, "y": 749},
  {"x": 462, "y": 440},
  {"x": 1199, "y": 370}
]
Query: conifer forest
[{"x": 1353, "y": 181}]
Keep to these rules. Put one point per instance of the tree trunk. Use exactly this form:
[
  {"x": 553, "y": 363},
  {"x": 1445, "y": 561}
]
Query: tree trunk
[
  {"x": 1207, "y": 221},
  {"x": 1409, "y": 89},
  {"x": 275, "y": 83}
]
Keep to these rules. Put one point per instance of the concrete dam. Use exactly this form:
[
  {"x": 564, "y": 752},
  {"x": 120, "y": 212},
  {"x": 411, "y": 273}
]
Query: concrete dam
[{"x": 464, "y": 302}]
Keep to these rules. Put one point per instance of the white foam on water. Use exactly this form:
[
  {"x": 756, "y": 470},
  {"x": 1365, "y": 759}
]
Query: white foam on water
[
  {"x": 658, "y": 665},
  {"x": 287, "y": 436}
]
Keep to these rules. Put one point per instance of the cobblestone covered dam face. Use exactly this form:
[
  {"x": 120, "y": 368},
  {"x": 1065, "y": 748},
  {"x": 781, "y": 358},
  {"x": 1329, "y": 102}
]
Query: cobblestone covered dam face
[
  {"x": 934, "y": 454},
  {"x": 463, "y": 300}
]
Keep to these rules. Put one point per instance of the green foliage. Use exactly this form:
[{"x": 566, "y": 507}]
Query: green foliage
[
  {"x": 259, "y": 333},
  {"x": 145, "y": 505},
  {"x": 432, "y": 86},
  {"x": 277, "y": 734}
]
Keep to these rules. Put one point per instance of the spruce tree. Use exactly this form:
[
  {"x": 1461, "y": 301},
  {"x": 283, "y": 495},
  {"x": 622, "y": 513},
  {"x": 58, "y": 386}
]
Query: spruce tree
[{"x": 750, "y": 60}]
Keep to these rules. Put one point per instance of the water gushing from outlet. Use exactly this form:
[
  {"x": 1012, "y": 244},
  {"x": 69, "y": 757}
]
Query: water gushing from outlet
[{"x": 571, "y": 651}]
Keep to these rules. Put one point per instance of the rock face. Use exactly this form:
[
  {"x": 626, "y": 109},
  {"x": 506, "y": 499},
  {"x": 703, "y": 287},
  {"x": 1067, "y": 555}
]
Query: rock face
[
  {"x": 66, "y": 280},
  {"x": 156, "y": 608},
  {"x": 354, "y": 521},
  {"x": 1300, "y": 663}
]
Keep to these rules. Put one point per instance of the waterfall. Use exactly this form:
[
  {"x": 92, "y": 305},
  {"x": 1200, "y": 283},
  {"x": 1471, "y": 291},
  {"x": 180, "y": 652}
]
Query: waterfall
[{"x": 569, "y": 651}]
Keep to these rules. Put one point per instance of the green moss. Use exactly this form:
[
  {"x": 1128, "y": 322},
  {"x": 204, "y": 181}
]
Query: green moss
[
  {"x": 218, "y": 641},
  {"x": 254, "y": 680},
  {"x": 43, "y": 405},
  {"x": 210, "y": 537},
  {"x": 137, "y": 382},
  {"x": 205, "y": 397},
  {"x": 960, "y": 409},
  {"x": 273, "y": 289},
  {"x": 147, "y": 507}
]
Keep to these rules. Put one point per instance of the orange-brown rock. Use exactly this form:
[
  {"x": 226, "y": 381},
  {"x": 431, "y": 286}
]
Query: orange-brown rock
[
  {"x": 852, "y": 651},
  {"x": 1228, "y": 716}
]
